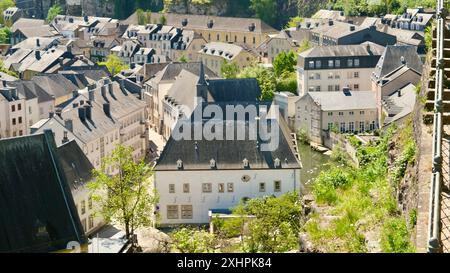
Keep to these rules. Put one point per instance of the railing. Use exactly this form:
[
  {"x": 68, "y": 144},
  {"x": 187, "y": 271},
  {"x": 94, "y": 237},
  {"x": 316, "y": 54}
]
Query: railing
[{"x": 434, "y": 221}]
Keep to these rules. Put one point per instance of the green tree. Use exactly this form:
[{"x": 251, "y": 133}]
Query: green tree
[
  {"x": 5, "y": 35},
  {"x": 54, "y": 11},
  {"x": 265, "y": 10},
  {"x": 276, "y": 225},
  {"x": 192, "y": 240},
  {"x": 114, "y": 64},
  {"x": 265, "y": 77},
  {"x": 144, "y": 17},
  {"x": 183, "y": 59},
  {"x": 305, "y": 45},
  {"x": 163, "y": 20},
  {"x": 229, "y": 70},
  {"x": 124, "y": 197},
  {"x": 294, "y": 21},
  {"x": 284, "y": 62}
]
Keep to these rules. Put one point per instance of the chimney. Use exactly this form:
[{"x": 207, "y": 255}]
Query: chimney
[
  {"x": 65, "y": 138},
  {"x": 103, "y": 90},
  {"x": 88, "y": 112},
  {"x": 75, "y": 93},
  {"x": 38, "y": 42},
  {"x": 402, "y": 59},
  {"x": 91, "y": 95},
  {"x": 68, "y": 123},
  {"x": 352, "y": 28},
  {"x": 58, "y": 111},
  {"x": 4, "y": 83},
  {"x": 110, "y": 89},
  {"x": 51, "y": 114},
  {"x": 330, "y": 22},
  {"x": 132, "y": 65},
  {"x": 61, "y": 60},
  {"x": 82, "y": 113},
  {"x": 368, "y": 48},
  {"x": 107, "y": 109},
  {"x": 37, "y": 54},
  {"x": 399, "y": 94}
]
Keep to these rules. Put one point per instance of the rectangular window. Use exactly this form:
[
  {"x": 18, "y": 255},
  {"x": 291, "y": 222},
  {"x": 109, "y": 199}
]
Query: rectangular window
[
  {"x": 83, "y": 207},
  {"x": 14, "y": 121},
  {"x": 172, "y": 211},
  {"x": 350, "y": 63},
  {"x": 330, "y": 88},
  {"x": 277, "y": 186},
  {"x": 317, "y": 76},
  {"x": 351, "y": 126},
  {"x": 19, "y": 107},
  {"x": 337, "y": 63},
  {"x": 356, "y": 74},
  {"x": 330, "y": 114},
  {"x": 13, "y": 108},
  {"x": 356, "y": 87},
  {"x": 311, "y": 64},
  {"x": 337, "y": 87},
  {"x": 20, "y": 120},
  {"x": 330, "y": 64},
  {"x": 230, "y": 187},
  {"x": 91, "y": 222},
  {"x": 262, "y": 187},
  {"x": 311, "y": 76},
  {"x": 318, "y": 64},
  {"x": 330, "y": 125},
  {"x": 206, "y": 187},
  {"x": 351, "y": 113},
  {"x": 318, "y": 88},
  {"x": 171, "y": 188},
  {"x": 186, "y": 188},
  {"x": 337, "y": 76},
  {"x": 342, "y": 127},
  {"x": 361, "y": 126},
  {"x": 90, "y": 202},
  {"x": 361, "y": 112},
  {"x": 186, "y": 211},
  {"x": 341, "y": 113},
  {"x": 356, "y": 62},
  {"x": 330, "y": 75},
  {"x": 221, "y": 187}
]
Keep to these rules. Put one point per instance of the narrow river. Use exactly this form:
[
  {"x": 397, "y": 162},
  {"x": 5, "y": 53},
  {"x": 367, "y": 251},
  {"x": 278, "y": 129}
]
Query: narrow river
[{"x": 313, "y": 163}]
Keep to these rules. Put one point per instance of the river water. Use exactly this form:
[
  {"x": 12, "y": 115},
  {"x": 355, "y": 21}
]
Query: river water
[{"x": 313, "y": 163}]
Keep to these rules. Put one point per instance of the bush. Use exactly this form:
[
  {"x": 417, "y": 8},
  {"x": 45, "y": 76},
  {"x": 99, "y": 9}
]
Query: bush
[
  {"x": 324, "y": 188},
  {"x": 395, "y": 237}
]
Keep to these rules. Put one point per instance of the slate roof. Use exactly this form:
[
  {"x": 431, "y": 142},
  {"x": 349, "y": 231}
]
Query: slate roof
[
  {"x": 335, "y": 101},
  {"x": 391, "y": 59},
  {"x": 38, "y": 211},
  {"x": 337, "y": 30},
  {"x": 344, "y": 50},
  {"x": 76, "y": 166},
  {"x": 172, "y": 70},
  {"x": 234, "y": 90},
  {"x": 26, "y": 22},
  {"x": 398, "y": 106},
  {"x": 224, "y": 50},
  {"x": 201, "y": 22},
  {"x": 229, "y": 154},
  {"x": 83, "y": 131},
  {"x": 92, "y": 72}
]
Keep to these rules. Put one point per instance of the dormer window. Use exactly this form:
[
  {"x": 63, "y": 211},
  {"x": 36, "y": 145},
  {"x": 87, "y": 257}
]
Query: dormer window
[
  {"x": 212, "y": 163},
  {"x": 179, "y": 164},
  {"x": 277, "y": 163},
  {"x": 245, "y": 162}
]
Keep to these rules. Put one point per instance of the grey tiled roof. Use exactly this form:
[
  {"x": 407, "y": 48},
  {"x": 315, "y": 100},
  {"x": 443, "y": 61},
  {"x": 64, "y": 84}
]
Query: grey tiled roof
[
  {"x": 229, "y": 154},
  {"x": 38, "y": 211},
  {"x": 392, "y": 59},
  {"x": 344, "y": 50},
  {"x": 335, "y": 101},
  {"x": 201, "y": 22}
]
